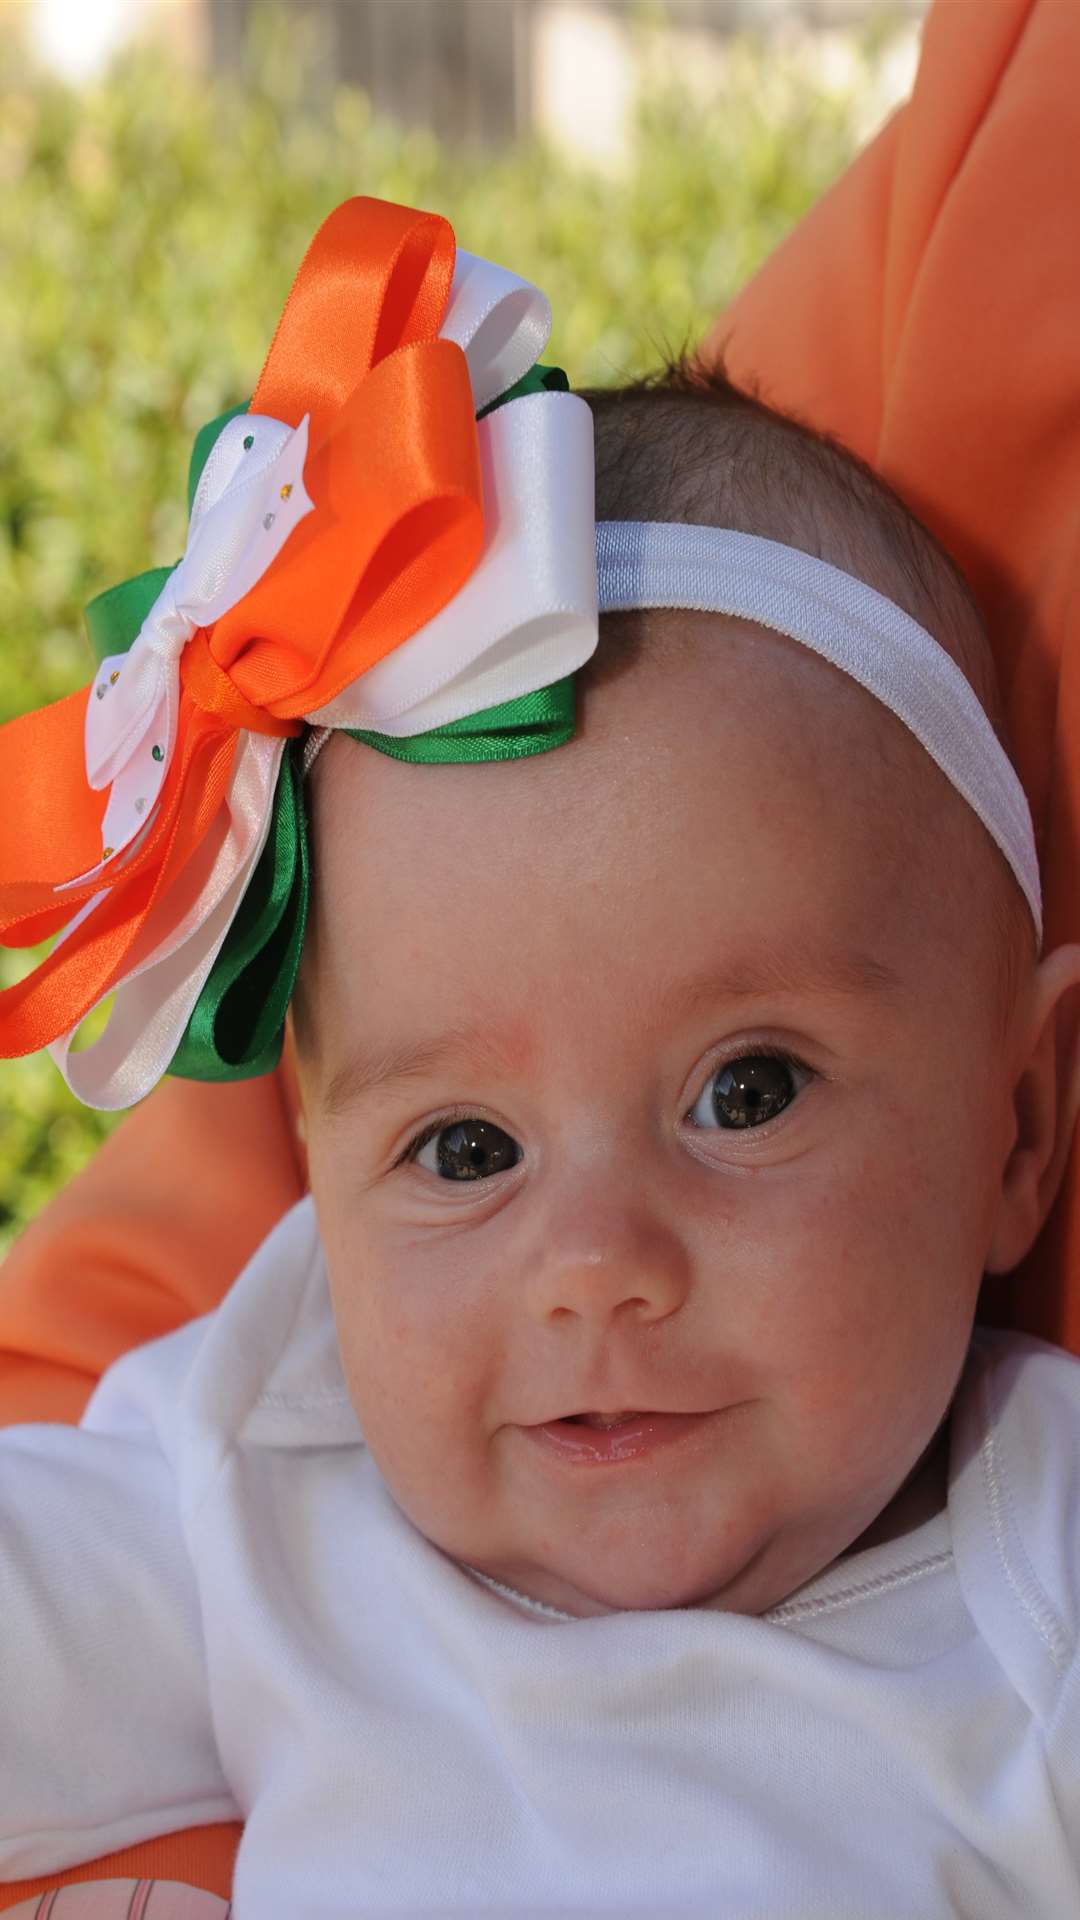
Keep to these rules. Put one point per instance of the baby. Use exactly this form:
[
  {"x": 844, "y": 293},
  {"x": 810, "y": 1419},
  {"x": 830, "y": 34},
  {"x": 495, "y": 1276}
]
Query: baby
[
  {"x": 664, "y": 1106},
  {"x": 597, "y": 1497}
]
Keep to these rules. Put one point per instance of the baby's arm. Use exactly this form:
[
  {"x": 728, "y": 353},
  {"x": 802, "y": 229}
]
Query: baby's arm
[{"x": 106, "y": 1735}]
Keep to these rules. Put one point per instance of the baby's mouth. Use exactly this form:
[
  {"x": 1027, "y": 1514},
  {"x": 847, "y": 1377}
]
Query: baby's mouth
[{"x": 573, "y": 1441}]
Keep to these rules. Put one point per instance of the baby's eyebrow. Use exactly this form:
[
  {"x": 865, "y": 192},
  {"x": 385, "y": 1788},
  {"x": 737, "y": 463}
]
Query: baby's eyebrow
[
  {"x": 844, "y": 973},
  {"x": 372, "y": 1070},
  {"x": 838, "y": 973}
]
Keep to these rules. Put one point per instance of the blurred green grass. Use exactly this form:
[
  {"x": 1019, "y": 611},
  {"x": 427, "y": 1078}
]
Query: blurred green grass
[{"x": 150, "y": 229}]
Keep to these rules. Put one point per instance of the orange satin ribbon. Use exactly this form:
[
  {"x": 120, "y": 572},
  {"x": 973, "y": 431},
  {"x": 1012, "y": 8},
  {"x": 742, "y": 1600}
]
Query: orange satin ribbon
[{"x": 393, "y": 469}]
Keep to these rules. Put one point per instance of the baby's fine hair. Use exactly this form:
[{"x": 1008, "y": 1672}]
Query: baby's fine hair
[{"x": 685, "y": 444}]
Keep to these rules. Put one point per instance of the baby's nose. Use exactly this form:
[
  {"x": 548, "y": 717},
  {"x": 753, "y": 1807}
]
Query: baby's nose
[{"x": 600, "y": 1260}]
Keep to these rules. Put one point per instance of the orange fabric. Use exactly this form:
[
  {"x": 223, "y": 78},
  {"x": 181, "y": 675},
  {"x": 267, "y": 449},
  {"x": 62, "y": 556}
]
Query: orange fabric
[
  {"x": 925, "y": 312},
  {"x": 147, "y": 1237},
  {"x": 197, "y": 1857},
  {"x": 393, "y": 468}
]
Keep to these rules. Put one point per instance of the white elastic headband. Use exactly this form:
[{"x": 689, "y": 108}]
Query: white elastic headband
[
  {"x": 649, "y": 563},
  {"x": 652, "y": 563}
]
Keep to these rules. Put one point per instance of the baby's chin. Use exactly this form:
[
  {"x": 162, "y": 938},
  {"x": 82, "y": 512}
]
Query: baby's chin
[{"x": 589, "y": 1592}]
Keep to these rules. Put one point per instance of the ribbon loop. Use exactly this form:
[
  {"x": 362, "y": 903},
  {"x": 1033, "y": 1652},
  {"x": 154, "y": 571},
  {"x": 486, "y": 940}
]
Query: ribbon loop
[
  {"x": 501, "y": 323},
  {"x": 398, "y": 530},
  {"x": 376, "y": 277}
]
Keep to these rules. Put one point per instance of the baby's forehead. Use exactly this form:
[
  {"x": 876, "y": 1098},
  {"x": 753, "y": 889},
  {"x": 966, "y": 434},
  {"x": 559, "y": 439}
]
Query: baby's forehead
[
  {"x": 817, "y": 736},
  {"x": 730, "y": 808},
  {"x": 704, "y": 681},
  {"x": 701, "y": 743}
]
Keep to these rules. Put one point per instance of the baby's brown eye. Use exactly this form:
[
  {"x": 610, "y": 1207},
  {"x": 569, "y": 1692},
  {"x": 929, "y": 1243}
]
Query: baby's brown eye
[
  {"x": 468, "y": 1150},
  {"x": 746, "y": 1092}
]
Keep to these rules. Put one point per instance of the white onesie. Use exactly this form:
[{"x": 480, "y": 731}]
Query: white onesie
[{"x": 212, "y": 1609}]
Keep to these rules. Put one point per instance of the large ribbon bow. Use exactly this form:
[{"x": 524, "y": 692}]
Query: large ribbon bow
[{"x": 364, "y": 552}]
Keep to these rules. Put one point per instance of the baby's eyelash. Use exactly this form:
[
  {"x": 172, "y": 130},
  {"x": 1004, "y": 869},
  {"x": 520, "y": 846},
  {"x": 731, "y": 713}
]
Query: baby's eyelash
[
  {"x": 433, "y": 1127},
  {"x": 760, "y": 1049}
]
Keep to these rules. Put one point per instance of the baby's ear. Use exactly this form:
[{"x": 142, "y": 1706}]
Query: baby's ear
[{"x": 1045, "y": 1103}]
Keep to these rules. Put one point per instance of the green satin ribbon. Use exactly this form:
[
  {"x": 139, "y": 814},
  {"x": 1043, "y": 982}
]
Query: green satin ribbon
[
  {"x": 237, "y": 1026},
  {"x": 533, "y": 723}
]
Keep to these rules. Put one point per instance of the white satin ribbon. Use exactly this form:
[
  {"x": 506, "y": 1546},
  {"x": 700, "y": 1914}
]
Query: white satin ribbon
[
  {"x": 714, "y": 570},
  {"x": 502, "y": 325},
  {"x": 247, "y": 503}
]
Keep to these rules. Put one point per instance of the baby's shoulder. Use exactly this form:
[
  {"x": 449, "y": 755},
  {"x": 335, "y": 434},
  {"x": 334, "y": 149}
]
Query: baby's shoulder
[
  {"x": 1015, "y": 1479},
  {"x": 1028, "y": 1391},
  {"x": 261, "y": 1368}
]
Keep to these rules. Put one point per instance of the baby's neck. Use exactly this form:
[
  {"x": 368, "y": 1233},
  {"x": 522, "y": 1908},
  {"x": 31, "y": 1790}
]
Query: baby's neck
[{"x": 923, "y": 1494}]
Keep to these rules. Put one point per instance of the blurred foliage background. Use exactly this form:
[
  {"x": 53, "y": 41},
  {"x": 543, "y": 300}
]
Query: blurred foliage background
[{"x": 151, "y": 224}]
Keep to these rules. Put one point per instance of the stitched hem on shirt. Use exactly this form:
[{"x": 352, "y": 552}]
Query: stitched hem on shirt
[
  {"x": 786, "y": 1610},
  {"x": 1008, "y": 1539},
  {"x": 511, "y": 1593},
  {"x": 859, "y": 1590}
]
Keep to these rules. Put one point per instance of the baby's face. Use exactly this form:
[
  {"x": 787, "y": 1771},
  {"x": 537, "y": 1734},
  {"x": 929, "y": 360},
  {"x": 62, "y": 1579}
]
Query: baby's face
[{"x": 559, "y": 977}]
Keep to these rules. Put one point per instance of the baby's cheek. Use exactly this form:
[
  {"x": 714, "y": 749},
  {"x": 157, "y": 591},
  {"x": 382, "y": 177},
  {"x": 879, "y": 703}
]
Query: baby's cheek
[
  {"x": 817, "y": 1267},
  {"x": 924, "y": 1206},
  {"x": 415, "y": 1366},
  {"x": 884, "y": 1280}
]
